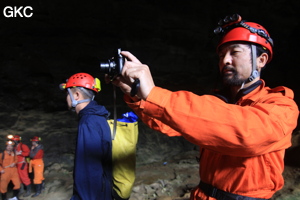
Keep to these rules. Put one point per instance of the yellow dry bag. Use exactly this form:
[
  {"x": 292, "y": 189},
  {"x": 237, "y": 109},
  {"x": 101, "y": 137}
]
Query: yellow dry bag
[{"x": 124, "y": 157}]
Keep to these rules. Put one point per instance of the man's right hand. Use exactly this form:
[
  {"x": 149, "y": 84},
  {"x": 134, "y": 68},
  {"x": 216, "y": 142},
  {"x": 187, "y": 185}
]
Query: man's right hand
[{"x": 134, "y": 69}]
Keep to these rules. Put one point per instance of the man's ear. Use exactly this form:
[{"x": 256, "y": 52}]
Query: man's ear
[
  {"x": 262, "y": 60},
  {"x": 76, "y": 95}
]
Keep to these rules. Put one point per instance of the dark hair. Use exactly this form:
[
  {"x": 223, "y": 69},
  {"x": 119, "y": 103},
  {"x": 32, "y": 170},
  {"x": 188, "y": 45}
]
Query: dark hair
[{"x": 260, "y": 50}]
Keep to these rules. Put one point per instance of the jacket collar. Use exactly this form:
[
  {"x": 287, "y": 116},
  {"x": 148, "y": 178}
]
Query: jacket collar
[
  {"x": 224, "y": 94},
  {"x": 93, "y": 108}
]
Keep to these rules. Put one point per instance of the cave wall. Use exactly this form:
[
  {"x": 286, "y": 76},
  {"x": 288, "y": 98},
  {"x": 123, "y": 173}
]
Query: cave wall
[{"x": 175, "y": 38}]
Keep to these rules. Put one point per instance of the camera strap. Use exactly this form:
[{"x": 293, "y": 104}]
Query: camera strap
[
  {"x": 135, "y": 87},
  {"x": 115, "y": 113},
  {"x": 133, "y": 92}
]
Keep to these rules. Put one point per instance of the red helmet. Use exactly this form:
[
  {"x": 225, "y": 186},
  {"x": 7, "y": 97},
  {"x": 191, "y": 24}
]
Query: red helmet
[
  {"x": 35, "y": 139},
  {"x": 247, "y": 32},
  {"x": 15, "y": 138},
  {"x": 82, "y": 80}
]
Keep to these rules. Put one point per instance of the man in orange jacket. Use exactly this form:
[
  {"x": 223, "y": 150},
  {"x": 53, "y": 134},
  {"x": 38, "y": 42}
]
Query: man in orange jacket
[
  {"x": 22, "y": 151},
  {"x": 242, "y": 130},
  {"x": 8, "y": 170}
]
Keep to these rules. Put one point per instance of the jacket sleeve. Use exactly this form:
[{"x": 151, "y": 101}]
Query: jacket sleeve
[
  {"x": 39, "y": 154},
  {"x": 152, "y": 122},
  {"x": 1, "y": 161},
  {"x": 25, "y": 150},
  {"x": 213, "y": 124}
]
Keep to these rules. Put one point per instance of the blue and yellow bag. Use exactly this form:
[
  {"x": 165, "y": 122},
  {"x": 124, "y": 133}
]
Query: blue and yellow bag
[{"x": 124, "y": 154}]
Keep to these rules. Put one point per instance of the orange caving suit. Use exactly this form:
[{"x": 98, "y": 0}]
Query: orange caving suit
[
  {"x": 22, "y": 164},
  {"x": 242, "y": 145},
  {"x": 37, "y": 164},
  {"x": 10, "y": 173}
]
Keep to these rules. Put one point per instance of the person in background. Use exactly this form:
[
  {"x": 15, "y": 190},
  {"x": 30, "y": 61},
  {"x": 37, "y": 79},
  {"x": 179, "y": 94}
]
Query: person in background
[
  {"x": 37, "y": 164},
  {"x": 242, "y": 130},
  {"x": 93, "y": 154},
  {"x": 22, "y": 151},
  {"x": 9, "y": 172}
]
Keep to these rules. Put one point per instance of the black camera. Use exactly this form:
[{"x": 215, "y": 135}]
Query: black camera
[{"x": 113, "y": 66}]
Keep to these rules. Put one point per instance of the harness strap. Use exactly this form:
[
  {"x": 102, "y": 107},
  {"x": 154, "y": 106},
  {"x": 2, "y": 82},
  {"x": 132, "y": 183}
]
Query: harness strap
[
  {"x": 254, "y": 73},
  {"x": 222, "y": 195},
  {"x": 74, "y": 102}
]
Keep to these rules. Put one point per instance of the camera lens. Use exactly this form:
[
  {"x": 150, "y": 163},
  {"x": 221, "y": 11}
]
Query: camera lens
[
  {"x": 113, "y": 66},
  {"x": 107, "y": 67}
]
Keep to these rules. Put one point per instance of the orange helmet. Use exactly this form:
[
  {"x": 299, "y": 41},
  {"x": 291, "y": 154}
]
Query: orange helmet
[
  {"x": 82, "y": 80},
  {"x": 233, "y": 28},
  {"x": 35, "y": 139},
  {"x": 9, "y": 142}
]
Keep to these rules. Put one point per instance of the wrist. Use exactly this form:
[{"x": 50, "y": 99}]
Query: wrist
[
  {"x": 131, "y": 100},
  {"x": 135, "y": 98}
]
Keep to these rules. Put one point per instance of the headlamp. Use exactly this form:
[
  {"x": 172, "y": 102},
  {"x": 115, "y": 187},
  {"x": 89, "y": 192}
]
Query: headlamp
[
  {"x": 97, "y": 84},
  {"x": 10, "y": 142},
  {"x": 234, "y": 21},
  {"x": 62, "y": 86},
  {"x": 10, "y": 137}
]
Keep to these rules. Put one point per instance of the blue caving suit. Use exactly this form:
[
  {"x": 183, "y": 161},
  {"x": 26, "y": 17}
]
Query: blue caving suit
[{"x": 93, "y": 157}]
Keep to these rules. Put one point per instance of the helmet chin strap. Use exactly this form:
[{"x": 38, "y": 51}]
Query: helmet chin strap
[
  {"x": 74, "y": 102},
  {"x": 255, "y": 72}
]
